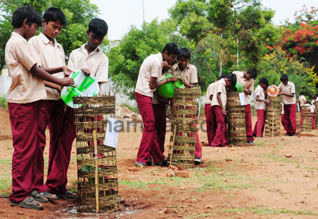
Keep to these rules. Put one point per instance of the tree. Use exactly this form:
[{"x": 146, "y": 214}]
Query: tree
[{"x": 128, "y": 56}]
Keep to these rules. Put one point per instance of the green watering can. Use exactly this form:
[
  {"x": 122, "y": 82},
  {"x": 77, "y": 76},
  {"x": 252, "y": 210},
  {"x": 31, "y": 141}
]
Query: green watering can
[
  {"x": 238, "y": 87},
  {"x": 167, "y": 89}
]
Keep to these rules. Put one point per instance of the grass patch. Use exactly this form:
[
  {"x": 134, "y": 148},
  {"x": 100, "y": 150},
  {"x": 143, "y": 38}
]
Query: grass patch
[
  {"x": 255, "y": 210},
  {"x": 280, "y": 159},
  {"x": 5, "y": 186},
  {"x": 140, "y": 184},
  {"x": 3, "y": 102},
  {"x": 131, "y": 108}
]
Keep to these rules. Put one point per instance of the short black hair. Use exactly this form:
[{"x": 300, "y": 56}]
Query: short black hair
[
  {"x": 252, "y": 72},
  {"x": 302, "y": 93},
  {"x": 98, "y": 26},
  {"x": 263, "y": 81},
  {"x": 232, "y": 79},
  {"x": 171, "y": 48},
  {"x": 184, "y": 53},
  {"x": 54, "y": 14},
  {"x": 25, "y": 12},
  {"x": 284, "y": 78}
]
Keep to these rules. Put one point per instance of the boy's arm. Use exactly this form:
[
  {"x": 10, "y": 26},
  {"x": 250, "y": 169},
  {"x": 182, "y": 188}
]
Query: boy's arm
[
  {"x": 154, "y": 83},
  {"x": 66, "y": 70},
  {"x": 220, "y": 102},
  {"x": 52, "y": 85},
  {"x": 40, "y": 73}
]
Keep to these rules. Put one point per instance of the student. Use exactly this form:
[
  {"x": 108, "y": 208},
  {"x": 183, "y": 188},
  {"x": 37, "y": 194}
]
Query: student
[
  {"x": 24, "y": 95},
  {"x": 287, "y": 91},
  {"x": 189, "y": 77},
  {"x": 301, "y": 101},
  {"x": 52, "y": 107},
  {"x": 147, "y": 82},
  {"x": 159, "y": 105},
  {"x": 219, "y": 107},
  {"x": 92, "y": 61},
  {"x": 209, "y": 114},
  {"x": 246, "y": 78},
  {"x": 260, "y": 105}
]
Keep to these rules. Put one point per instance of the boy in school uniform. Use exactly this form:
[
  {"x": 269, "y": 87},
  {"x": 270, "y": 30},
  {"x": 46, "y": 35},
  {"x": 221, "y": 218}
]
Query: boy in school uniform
[
  {"x": 92, "y": 61},
  {"x": 288, "y": 93},
  {"x": 209, "y": 113},
  {"x": 159, "y": 105},
  {"x": 147, "y": 83},
  {"x": 189, "y": 77},
  {"x": 52, "y": 107},
  {"x": 219, "y": 107},
  {"x": 246, "y": 78},
  {"x": 302, "y": 101},
  {"x": 24, "y": 102},
  {"x": 260, "y": 106}
]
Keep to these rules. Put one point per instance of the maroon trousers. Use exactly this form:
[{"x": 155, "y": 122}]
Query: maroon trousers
[
  {"x": 60, "y": 156},
  {"x": 259, "y": 125},
  {"x": 313, "y": 121},
  {"x": 210, "y": 122},
  {"x": 149, "y": 146},
  {"x": 160, "y": 113},
  {"x": 24, "y": 125},
  {"x": 290, "y": 118},
  {"x": 248, "y": 124},
  {"x": 282, "y": 119},
  {"x": 220, "y": 134},
  {"x": 51, "y": 115}
]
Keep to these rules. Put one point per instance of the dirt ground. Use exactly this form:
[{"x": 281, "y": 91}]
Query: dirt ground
[{"x": 276, "y": 178}]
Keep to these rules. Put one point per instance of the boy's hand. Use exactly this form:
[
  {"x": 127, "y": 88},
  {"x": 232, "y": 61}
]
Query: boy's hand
[
  {"x": 224, "y": 112},
  {"x": 67, "y": 81},
  {"x": 67, "y": 71},
  {"x": 86, "y": 71},
  {"x": 267, "y": 102},
  {"x": 174, "y": 78}
]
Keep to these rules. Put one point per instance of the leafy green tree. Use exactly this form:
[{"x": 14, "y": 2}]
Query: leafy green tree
[
  {"x": 276, "y": 63},
  {"x": 126, "y": 59}
]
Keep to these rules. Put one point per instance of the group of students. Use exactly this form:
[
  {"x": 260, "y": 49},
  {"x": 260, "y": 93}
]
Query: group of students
[
  {"x": 153, "y": 107},
  {"x": 215, "y": 106},
  {"x": 38, "y": 70}
]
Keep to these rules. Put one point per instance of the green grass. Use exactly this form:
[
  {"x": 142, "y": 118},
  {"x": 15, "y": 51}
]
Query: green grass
[
  {"x": 255, "y": 210},
  {"x": 3, "y": 102},
  {"x": 280, "y": 159},
  {"x": 131, "y": 108}
]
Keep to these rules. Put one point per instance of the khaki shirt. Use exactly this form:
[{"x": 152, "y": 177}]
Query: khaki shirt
[
  {"x": 302, "y": 100},
  {"x": 209, "y": 92},
  {"x": 151, "y": 67},
  {"x": 96, "y": 62},
  {"x": 219, "y": 88},
  {"x": 189, "y": 73},
  {"x": 246, "y": 84},
  {"x": 288, "y": 89},
  {"x": 25, "y": 87},
  {"x": 259, "y": 91},
  {"x": 49, "y": 55}
]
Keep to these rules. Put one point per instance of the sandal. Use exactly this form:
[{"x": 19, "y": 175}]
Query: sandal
[
  {"x": 49, "y": 196},
  {"x": 29, "y": 202},
  {"x": 68, "y": 194},
  {"x": 38, "y": 197}
]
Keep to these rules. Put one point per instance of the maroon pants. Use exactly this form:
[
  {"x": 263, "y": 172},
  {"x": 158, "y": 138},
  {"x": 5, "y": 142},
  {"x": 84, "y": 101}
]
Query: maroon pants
[
  {"x": 313, "y": 121},
  {"x": 160, "y": 113},
  {"x": 290, "y": 118},
  {"x": 210, "y": 122},
  {"x": 220, "y": 134},
  {"x": 149, "y": 146},
  {"x": 248, "y": 124},
  {"x": 24, "y": 125},
  {"x": 51, "y": 115},
  {"x": 259, "y": 125},
  {"x": 60, "y": 156},
  {"x": 282, "y": 119},
  {"x": 300, "y": 119}
]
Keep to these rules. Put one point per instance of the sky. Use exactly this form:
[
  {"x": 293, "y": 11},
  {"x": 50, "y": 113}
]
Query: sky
[{"x": 120, "y": 15}]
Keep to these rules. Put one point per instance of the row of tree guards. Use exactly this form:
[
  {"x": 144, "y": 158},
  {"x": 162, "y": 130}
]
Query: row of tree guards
[{"x": 96, "y": 163}]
